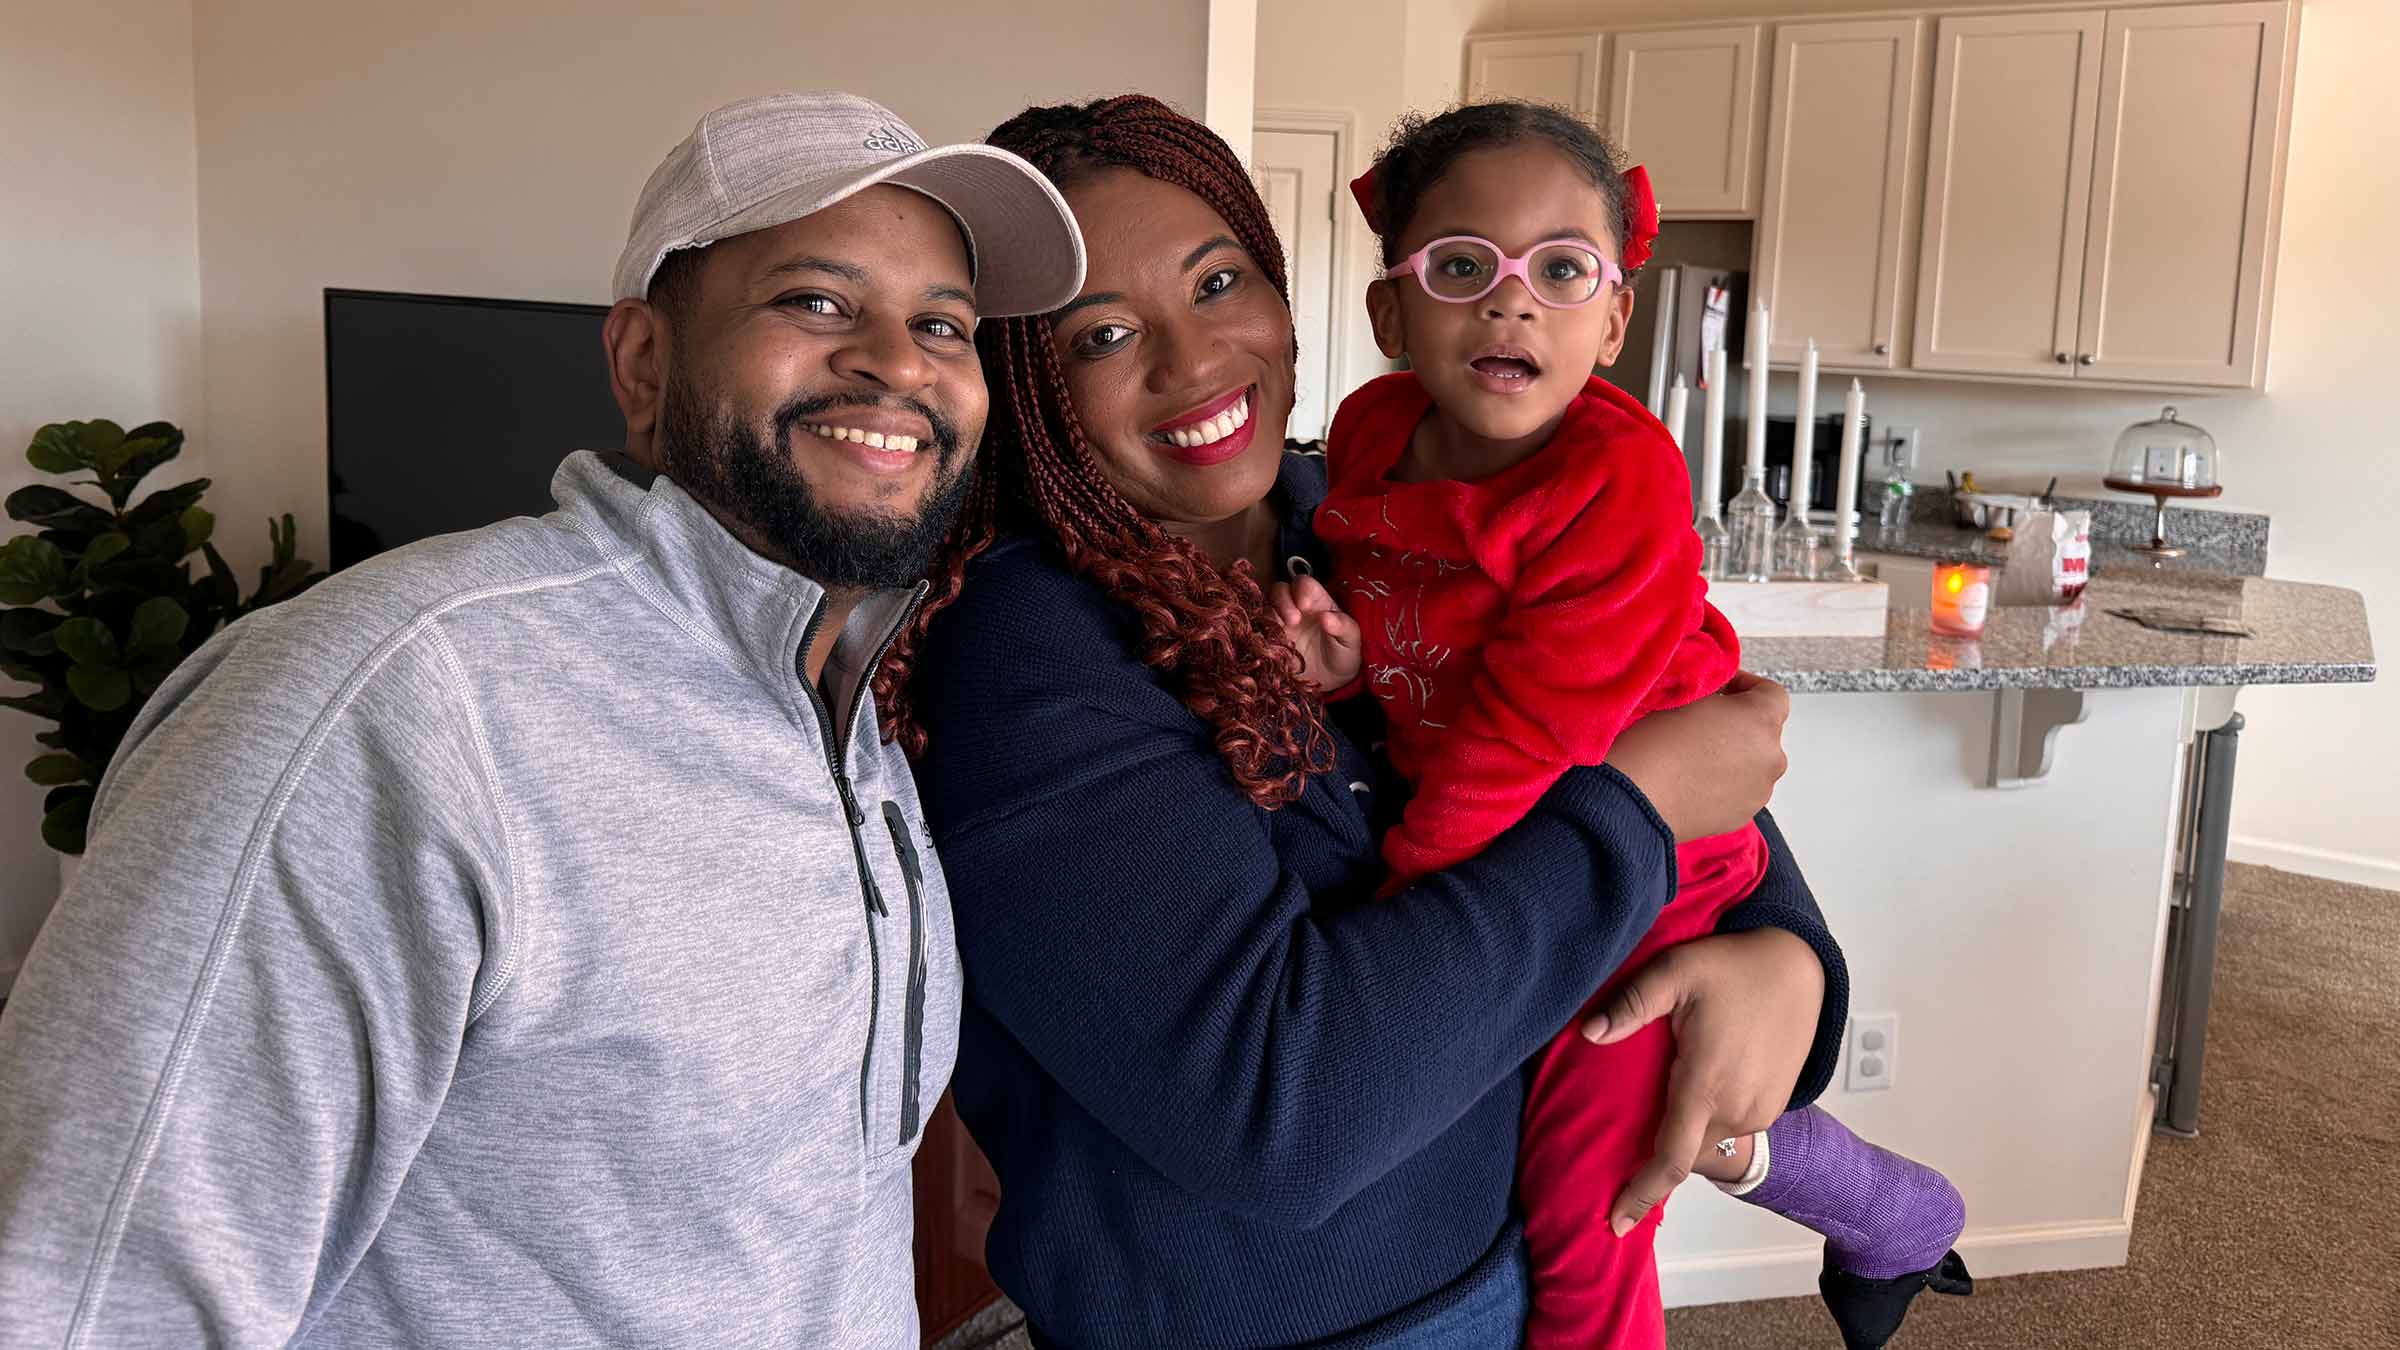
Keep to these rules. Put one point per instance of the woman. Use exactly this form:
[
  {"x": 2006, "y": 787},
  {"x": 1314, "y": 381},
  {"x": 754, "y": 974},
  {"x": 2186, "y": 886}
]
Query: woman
[{"x": 1230, "y": 1100}]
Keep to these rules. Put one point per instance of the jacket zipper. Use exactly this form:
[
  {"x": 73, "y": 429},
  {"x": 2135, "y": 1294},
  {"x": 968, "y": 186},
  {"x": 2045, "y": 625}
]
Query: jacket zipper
[
  {"x": 912, "y": 1056},
  {"x": 835, "y": 745}
]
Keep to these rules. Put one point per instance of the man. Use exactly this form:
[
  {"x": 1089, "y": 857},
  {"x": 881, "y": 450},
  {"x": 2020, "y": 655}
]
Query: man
[{"x": 524, "y": 938}]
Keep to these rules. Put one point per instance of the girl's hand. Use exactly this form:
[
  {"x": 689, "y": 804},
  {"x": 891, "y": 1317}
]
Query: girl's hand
[
  {"x": 1708, "y": 767},
  {"x": 1744, "y": 1008},
  {"x": 1326, "y": 637}
]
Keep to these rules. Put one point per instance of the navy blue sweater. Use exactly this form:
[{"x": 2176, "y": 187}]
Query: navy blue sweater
[{"x": 1229, "y": 1099}]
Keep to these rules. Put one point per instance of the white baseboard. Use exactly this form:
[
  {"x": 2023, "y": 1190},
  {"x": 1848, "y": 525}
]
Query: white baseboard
[
  {"x": 1791, "y": 1272},
  {"x": 2355, "y": 868}
]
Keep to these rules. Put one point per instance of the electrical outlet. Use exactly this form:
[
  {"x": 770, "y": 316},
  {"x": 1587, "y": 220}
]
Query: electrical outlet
[
  {"x": 1872, "y": 1057},
  {"x": 1902, "y": 445}
]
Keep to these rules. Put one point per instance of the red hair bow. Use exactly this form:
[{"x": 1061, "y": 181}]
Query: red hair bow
[
  {"x": 1644, "y": 216},
  {"x": 1362, "y": 191}
]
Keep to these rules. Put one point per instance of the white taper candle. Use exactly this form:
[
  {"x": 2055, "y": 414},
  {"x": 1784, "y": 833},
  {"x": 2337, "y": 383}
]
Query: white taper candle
[
  {"x": 1804, "y": 432},
  {"x": 1756, "y": 460},
  {"x": 1712, "y": 436},
  {"x": 1845, "y": 488},
  {"x": 1678, "y": 400}
]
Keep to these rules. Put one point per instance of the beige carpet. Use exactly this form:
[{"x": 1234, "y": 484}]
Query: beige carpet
[{"x": 2278, "y": 1227}]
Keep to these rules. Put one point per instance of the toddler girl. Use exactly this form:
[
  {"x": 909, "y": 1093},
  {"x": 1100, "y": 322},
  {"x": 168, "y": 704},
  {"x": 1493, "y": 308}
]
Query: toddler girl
[{"x": 1512, "y": 539}]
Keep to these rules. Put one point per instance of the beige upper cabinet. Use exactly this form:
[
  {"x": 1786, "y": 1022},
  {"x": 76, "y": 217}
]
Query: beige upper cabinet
[
  {"x": 2185, "y": 169},
  {"x": 1831, "y": 225},
  {"x": 2008, "y": 168},
  {"x": 2100, "y": 194},
  {"x": 1685, "y": 103},
  {"x": 1563, "y": 70}
]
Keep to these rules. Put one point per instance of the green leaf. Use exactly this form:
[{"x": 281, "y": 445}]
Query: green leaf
[
  {"x": 31, "y": 570},
  {"x": 57, "y": 770},
  {"x": 57, "y": 509},
  {"x": 161, "y": 441},
  {"x": 158, "y": 622},
  {"x": 162, "y": 539},
  {"x": 49, "y": 704},
  {"x": 104, "y": 548},
  {"x": 97, "y": 438},
  {"x": 46, "y": 705},
  {"x": 167, "y": 503},
  {"x": 88, "y": 642},
  {"x": 55, "y": 448},
  {"x": 22, "y": 672},
  {"x": 198, "y": 524},
  {"x": 63, "y": 828},
  {"x": 153, "y": 669},
  {"x": 221, "y": 592},
  {"x": 100, "y": 688},
  {"x": 29, "y": 631}
]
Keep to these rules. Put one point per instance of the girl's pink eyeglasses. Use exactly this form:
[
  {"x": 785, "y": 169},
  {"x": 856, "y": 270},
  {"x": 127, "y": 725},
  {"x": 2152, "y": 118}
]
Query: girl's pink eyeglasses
[{"x": 1561, "y": 273}]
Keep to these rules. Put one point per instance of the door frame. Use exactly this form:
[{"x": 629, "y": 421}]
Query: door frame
[{"x": 1342, "y": 125}]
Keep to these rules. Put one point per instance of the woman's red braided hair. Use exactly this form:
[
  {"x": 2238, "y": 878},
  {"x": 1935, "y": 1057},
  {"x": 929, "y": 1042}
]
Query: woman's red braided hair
[{"x": 1209, "y": 628}]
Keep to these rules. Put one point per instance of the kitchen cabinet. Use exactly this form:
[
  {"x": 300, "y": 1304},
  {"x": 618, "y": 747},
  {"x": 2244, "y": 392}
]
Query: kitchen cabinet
[
  {"x": 1684, "y": 101},
  {"x": 1833, "y": 221},
  {"x": 1566, "y": 70},
  {"x": 2101, "y": 194},
  {"x": 2185, "y": 175},
  {"x": 2007, "y": 193}
]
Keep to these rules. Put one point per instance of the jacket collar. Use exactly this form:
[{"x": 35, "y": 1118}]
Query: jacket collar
[{"x": 753, "y": 612}]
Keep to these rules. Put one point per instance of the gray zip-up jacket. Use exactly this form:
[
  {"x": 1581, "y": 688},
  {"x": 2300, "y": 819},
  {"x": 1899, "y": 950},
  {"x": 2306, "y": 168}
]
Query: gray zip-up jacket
[{"x": 501, "y": 944}]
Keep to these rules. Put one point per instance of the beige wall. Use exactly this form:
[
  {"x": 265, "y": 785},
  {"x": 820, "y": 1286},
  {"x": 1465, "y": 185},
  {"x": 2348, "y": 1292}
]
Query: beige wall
[
  {"x": 495, "y": 149},
  {"x": 1232, "y": 72},
  {"x": 99, "y": 261}
]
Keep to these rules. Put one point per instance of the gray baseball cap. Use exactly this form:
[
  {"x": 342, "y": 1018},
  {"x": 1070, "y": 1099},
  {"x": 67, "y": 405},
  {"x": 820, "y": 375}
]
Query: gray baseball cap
[{"x": 764, "y": 161}]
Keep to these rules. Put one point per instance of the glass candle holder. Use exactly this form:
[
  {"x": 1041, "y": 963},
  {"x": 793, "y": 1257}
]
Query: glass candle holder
[{"x": 1962, "y": 598}]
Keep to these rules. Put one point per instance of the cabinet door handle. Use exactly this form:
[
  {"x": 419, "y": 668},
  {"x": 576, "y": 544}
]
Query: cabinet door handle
[
  {"x": 1883, "y": 349},
  {"x": 2087, "y": 359},
  {"x": 2062, "y": 358}
]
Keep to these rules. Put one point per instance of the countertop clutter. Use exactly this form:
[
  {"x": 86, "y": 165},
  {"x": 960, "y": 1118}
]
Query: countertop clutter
[
  {"x": 2219, "y": 543},
  {"x": 2296, "y": 633}
]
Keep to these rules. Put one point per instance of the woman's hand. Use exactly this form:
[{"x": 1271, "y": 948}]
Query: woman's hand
[
  {"x": 1708, "y": 767},
  {"x": 1744, "y": 1008}
]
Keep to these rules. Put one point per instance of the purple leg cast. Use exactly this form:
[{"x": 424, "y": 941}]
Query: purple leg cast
[{"x": 1883, "y": 1216}]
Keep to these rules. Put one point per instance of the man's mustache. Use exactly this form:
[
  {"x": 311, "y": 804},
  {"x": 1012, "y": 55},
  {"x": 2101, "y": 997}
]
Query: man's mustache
[{"x": 793, "y": 414}]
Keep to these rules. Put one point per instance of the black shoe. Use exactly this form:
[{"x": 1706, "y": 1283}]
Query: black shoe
[{"x": 1869, "y": 1311}]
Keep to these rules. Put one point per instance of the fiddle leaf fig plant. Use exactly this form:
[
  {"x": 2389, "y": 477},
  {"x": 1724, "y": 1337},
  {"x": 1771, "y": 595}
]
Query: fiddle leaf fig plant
[{"x": 104, "y": 602}]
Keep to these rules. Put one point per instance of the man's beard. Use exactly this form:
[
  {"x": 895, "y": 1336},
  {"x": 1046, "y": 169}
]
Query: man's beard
[{"x": 723, "y": 464}]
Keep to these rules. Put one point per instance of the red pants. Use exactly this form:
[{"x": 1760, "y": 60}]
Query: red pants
[{"x": 1591, "y": 1121}]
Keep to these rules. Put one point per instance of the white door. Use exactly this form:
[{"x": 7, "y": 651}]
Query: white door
[{"x": 1296, "y": 174}]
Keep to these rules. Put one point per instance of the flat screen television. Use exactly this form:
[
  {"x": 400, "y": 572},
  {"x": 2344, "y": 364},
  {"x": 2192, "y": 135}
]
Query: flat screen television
[{"x": 446, "y": 412}]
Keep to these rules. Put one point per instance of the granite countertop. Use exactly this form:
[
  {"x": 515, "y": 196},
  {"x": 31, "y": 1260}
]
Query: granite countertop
[{"x": 2297, "y": 634}]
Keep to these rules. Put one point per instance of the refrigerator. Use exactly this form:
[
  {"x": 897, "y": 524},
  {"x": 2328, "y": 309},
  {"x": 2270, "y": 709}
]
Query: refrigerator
[{"x": 1681, "y": 311}]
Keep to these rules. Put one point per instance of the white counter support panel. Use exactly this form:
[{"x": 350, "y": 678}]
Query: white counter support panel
[{"x": 2017, "y": 936}]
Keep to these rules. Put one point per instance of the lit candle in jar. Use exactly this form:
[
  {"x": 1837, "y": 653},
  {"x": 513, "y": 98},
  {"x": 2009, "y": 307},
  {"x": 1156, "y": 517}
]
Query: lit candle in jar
[{"x": 1962, "y": 598}]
